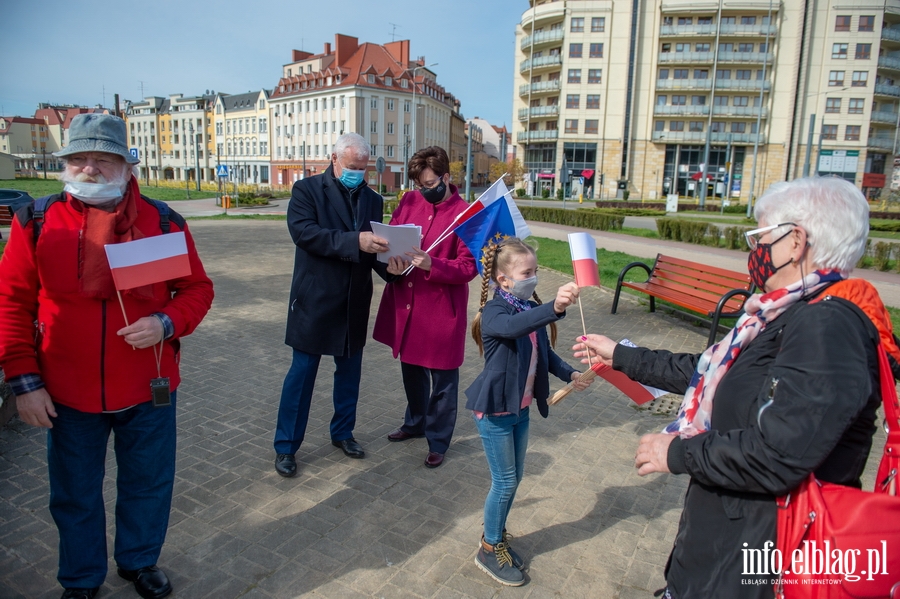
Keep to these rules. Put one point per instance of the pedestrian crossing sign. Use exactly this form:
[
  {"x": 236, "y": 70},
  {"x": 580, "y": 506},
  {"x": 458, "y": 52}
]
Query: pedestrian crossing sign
[{"x": 222, "y": 170}]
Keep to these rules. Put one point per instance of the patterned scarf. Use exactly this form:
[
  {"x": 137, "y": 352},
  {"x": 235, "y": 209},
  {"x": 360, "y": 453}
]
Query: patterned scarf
[
  {"x": 520, "y": 304},
  {"x": 695, "y": 412}
]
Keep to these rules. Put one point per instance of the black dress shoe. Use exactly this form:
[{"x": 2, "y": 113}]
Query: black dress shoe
[
  {"x": 285, "y": 465},
  {"x": 434, "y": 459},
  {"x": 351, "y": 448},
  {"x": 150, "y": 582},
  {"x": 80, "y": 593},
  {"x": 401, "y": 435}
]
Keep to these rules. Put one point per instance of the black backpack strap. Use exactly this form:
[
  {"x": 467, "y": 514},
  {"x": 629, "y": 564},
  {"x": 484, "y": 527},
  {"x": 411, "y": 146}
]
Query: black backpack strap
[
  {"x": 35, "y": 211},
  {"x": 166, "y": 215}
]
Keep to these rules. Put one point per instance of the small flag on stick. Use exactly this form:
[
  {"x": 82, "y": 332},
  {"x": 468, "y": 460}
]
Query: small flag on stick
[
  {"x": 149, "y": 260},
  {"x": 584, "y": 259}
]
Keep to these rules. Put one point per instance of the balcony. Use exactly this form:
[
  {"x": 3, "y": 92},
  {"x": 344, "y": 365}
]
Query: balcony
[
  {"x": 537, "y": 112},
  {"x": 890, "y": 34},
  {"x": 882, "y": 89},
  {"x": 700, "y": 137},
  {"x": 685, "y": 57},
  {"x": 884, "y": 117},
  {"x": 743, "y": 84},
  {"x": 740, "y": 111},
  {"x": 881, "y": 143},
  {"x": 542, "y": 37},
  {"x": 687, "y": 110},
  {"x": 541, "y": 87},
  {"x": 702, "y": 84},
  {"x": 710, "y": 30},
  {"x": 889, "y": 62},
  {"x": 529, "y": 136},
  {"x": 541, "y": 62},
  {"x": 706, "y": 84},
  {"x": 745, "y": 57},
  {"x": 543, "y": 13}
]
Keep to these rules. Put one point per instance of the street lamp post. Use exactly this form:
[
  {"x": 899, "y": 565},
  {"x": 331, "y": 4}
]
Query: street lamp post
[
  {"x": 196, "y": 157},
  {"x": 187, "y": 187},
  {"x": 415, "y": 108}
]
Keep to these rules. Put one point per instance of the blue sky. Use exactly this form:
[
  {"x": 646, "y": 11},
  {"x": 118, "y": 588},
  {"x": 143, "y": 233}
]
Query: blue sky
[{"x": 68, "y": 52}]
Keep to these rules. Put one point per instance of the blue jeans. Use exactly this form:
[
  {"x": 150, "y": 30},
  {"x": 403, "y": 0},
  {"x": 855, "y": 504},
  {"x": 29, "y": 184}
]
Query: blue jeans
[
  {"x": 296, "y": 397},
  {"x": 505, "y": 441},
  {"x": 145, "y": 459}
]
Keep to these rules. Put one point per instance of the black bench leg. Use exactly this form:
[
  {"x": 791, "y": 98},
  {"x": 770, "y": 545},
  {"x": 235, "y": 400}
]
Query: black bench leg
[
  {"x": 616, "y": 298},
  {"x": 652, "y": 304}
]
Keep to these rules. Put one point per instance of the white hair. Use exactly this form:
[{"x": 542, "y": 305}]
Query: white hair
[
  {"x": 351, "y": 142},
  {"x": 832, "y": 211}
]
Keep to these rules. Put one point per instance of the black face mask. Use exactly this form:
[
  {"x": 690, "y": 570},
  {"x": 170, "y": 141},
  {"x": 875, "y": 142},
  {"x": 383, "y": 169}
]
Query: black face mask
[
  {"x": 434, "y": 195},
  {"x": 760, "y": 265}
]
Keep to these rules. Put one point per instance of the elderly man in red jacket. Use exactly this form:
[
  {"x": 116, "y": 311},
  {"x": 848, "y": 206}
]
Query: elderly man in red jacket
[{"x": 79, "y": 370}]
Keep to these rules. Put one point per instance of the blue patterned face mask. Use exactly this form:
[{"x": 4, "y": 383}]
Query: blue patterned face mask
[{"x": 350, "y": 178}]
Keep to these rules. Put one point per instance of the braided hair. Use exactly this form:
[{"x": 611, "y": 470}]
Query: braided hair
[{"x": 497, "y": 257}]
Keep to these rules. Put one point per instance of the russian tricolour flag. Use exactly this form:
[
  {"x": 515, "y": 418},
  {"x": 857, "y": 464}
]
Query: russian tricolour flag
[
  {"x": 584, "y": 259},
  {"x": 492, "y": 217},
  {"x": 149, "y": 260}
]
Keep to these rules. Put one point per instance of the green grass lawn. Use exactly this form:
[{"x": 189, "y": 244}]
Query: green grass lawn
[{"x": 43, "y": 187}]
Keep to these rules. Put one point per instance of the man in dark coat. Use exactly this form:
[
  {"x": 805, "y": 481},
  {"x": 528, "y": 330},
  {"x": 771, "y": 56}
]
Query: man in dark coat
[{"x": 331, "y": 291}]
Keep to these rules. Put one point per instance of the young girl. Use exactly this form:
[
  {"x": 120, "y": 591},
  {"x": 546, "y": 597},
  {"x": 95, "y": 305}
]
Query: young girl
[{"x": 511, "y": 333}]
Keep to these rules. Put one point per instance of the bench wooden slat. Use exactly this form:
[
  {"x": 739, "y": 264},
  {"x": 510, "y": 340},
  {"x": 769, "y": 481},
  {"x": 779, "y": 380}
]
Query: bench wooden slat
[
  {"x": 688, "y": 284},
  {"x": 706, "y": 305},
  {"x": 703, "y": 268},
  {"x": 6, "y": 216},
  {"x": 708, "y": 278}
]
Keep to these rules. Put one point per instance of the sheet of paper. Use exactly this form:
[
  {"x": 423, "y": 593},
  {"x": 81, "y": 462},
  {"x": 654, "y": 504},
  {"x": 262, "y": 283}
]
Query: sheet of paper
[{"x": 401, "y": 239}]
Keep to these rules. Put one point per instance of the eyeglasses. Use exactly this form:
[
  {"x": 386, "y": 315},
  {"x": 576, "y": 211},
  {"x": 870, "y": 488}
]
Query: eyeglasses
[{"x": 753, "y": 236}]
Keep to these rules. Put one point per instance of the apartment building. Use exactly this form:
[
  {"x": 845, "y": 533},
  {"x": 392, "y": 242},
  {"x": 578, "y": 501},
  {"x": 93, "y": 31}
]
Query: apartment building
[
  {"x": 632, "y": 94},
  {"x": 374, "y": 90},
  {"x": 242, "y": 136}
]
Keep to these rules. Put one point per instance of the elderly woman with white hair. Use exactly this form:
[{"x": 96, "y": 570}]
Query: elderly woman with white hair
[{"x": 791, "y": 390}]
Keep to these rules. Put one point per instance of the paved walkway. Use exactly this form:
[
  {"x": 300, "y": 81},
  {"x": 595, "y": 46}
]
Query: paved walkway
[{"x": 385, "y": 526}]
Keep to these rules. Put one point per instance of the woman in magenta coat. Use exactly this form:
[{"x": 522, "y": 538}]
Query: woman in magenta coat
[{"x": 422, "y": 315}]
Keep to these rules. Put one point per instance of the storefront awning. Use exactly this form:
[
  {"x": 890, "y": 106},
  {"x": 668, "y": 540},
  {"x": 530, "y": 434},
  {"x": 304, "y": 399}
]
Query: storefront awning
[{"x": 587, "y": 173}]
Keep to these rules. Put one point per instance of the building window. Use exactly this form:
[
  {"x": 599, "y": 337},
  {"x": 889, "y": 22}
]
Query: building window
[
  {"x": 591, "y": 125},
  {"x": 598, "y": 24},
  {"x": 695, "y": 126},
  {"x": 577, "y": 25},
  {"x": 867, "y": 23},
  {"x": 390, "y": 128},
  {"x": 738, "y": 127},
  {"x": 572, "y": 100},
  {"x": 680, "y": 73},
  {"x": 666, "y": 48},
  {"x": 575, "y": 50},
  {"x": 728, "y": 20},
  {"x": 833, "y": 105},
  {"x": 371, "y": 78},
  {"x": 748, "y": 20},
  {"x": 390, "y": 104},
  {"x": 406, "y": 106},
  {"x": 574, "y": 76},
  {"x": 390, "y": 151},
  {"x": 839, "y": 51},
  {"x": 851, "y": 132},
  {"x": 679, "y": 100},
  {"x": 717, "y": 127},
  {"x": 698, "y": 100},
  {"x": 596, "y": 51},
  {"x": 571, "y": 125},
  {"x": 374, "y": 103},
  {"x": 595, "y": 75},
  {"x": 842, "y": 23},
  {"x": 704, "y": 47},
  {"x": 745, "y": 48},
  {"x": 723, "y": 73},
  {"x": 863, "y": 51},
  {"x": 860, "y": 79},
  {"x": 857, "y": 105},
  {"x": 721, "y": 101},
  {"x": 682, "y": 47},
  {"x": 829, "y": 131},
  {"x": 701, "y": 73},
  {"x": 388, "y": 81},
  {"x": 662, "y": 99},
  {"x": 726, "y": 47},
  {"x": 373, "y": 127},
  {"x": 659, "y": 125},
  {"x": 740, "y": 101},
  {"x": 836, "y": 79},
  {"x": 663, "y": 74},
  {"x": 676, "y": 125},
  {"x": 685, "y": 20},
  {"x": 745, "y": 74},
  {"x": 593, "y": 102}
]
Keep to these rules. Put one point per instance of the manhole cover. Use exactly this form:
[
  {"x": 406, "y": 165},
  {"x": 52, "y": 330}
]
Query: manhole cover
[{"x": 665, "y": 405}]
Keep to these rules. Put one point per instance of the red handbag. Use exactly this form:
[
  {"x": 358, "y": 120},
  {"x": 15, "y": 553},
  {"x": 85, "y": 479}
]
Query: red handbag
[{"x": 840, "y": 542}]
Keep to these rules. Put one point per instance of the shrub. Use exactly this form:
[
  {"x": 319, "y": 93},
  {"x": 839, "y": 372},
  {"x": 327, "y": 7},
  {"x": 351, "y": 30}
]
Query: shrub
[
  {"x": 559, "y": 193},
  {"x": 734, "y": 239},
  {"x": 625, "y": 195},
  {"x": 735, "y": 209},
  {"x": 882, "y": 255},
  {"x": 545, "y": 193},
  {"x": 584, "y": 219},
  {"x": 390, "y": 206},
  {"x": 520, "y": 193},
  {"x": 865, "y": 261},
  {"x": 714, "y": 236}
]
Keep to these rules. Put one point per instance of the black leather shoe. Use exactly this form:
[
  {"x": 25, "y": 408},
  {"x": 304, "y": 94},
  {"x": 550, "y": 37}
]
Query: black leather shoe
[
  {"x": 401, "y": 435},
  {"x": 351, "y": 448},
  {"x": 149, "y": 582},
  {"x": 285, "y": 465},
  {"x": 434, "y": 459},
  {"x": 80, "y": 593}
]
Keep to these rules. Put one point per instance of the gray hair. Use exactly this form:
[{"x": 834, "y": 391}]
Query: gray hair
[
  {"x": 832, "y": 211},
  {"x": 351, "y": 142}
]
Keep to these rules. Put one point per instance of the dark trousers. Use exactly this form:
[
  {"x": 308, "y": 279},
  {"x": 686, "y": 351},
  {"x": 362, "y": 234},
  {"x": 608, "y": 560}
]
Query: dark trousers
[
  {"x": 431, "y": 397},
  {"x": 145, "y": 473},
  {"x": 296, "y": 397}
]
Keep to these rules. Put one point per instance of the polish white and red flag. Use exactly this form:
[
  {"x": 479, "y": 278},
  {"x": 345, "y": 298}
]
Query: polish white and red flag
[
  {"x": 149, "y": 260},
  {"x": 584, "y": 259}
]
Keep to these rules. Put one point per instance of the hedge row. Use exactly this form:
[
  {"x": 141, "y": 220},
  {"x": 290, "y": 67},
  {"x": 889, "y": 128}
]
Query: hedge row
[
  {"x": 701, "y": 233},
  {"x": 881, "y": 255},
  {"x": 682, "y": 206},
  {"x": 583, "y": 219}
]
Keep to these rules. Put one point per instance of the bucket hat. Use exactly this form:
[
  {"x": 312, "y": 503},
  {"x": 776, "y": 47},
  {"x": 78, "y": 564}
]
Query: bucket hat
[{"x": 98, "y": 133}]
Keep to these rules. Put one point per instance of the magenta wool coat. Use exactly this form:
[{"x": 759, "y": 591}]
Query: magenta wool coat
[{"x": 422, "y": 316}]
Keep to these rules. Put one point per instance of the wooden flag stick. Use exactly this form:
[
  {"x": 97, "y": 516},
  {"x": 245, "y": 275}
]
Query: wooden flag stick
[
  {"x": 584, "y": 328},
  {"x": 125, "y": 316}
]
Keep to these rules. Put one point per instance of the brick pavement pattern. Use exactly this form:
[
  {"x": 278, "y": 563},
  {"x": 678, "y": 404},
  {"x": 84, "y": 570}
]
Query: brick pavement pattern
[{"x": 385, "y": 526}]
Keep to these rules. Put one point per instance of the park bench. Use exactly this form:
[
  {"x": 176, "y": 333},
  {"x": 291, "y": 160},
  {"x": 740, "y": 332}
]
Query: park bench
[
  {"x": 6, "y": 216},
  {"x": 714, "y": 292}
]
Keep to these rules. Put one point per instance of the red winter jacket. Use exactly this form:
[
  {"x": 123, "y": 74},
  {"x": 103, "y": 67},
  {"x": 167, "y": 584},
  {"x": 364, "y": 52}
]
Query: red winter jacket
[{"x": 47, "y": 327}]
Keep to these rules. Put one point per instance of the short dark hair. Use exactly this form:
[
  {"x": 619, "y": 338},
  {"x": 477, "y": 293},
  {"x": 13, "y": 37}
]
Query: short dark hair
[{"x": 433, "y": 157}]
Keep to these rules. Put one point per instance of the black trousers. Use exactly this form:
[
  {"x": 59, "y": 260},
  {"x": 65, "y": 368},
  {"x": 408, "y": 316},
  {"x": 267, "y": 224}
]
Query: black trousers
[{"x": 431, "y": 398}]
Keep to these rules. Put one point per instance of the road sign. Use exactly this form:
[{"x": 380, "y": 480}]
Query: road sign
[
  {"x": 379, "y": 164},
  {"x": 222, "y": 170},
  {"x": 134, "y": 152}
]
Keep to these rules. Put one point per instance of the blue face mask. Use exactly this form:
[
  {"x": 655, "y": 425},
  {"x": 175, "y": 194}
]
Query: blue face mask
[{"x": 350, "y": 178}]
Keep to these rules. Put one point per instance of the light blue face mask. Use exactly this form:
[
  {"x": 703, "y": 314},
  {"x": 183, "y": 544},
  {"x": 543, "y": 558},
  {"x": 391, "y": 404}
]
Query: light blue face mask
[{"x": 350, "y": 178}]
